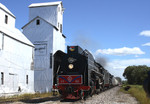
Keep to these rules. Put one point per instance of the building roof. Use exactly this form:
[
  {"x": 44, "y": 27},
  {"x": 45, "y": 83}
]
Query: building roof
[
  {"x": 15, "y": 34},
  {"x": 45, "y": 4},
  {"x": 40, "y": 18},
  {"x": 4, "y": 8},
  {"x": 43, "y": 20}
]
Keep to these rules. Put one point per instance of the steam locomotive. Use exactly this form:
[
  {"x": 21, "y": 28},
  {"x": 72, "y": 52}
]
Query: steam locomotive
[{"x": 77, "y": 75}]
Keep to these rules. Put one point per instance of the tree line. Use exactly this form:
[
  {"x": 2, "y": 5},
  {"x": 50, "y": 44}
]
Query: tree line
[{"x": 136, "y": 74}]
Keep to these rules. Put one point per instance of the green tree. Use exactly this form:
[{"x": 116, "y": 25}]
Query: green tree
[
  {"x": 128, "y": 74},
  {"x": 136, "y": 74}
]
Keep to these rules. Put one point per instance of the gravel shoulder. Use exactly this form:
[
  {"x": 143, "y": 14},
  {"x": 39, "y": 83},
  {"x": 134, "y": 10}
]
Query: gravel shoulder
[{"x": 111, "y": 96}]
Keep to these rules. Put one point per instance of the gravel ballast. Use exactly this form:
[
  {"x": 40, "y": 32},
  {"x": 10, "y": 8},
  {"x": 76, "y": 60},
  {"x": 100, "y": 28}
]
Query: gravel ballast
[{"x": 111, "y": 96}]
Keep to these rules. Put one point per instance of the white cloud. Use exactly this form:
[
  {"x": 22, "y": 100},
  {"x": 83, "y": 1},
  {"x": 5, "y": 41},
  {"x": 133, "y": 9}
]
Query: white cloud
[
  {"x": 139, "y": 61},
  {"x": 121, "y": 51},
  {"x": 145, "y": 33},
  {"x": 146, "y": 44},
  {"x": 116, "y": 67},
  {"x": 136, "y": 56}
]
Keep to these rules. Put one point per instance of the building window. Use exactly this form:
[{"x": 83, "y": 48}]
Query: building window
[
  {"x": 27, "y": 79},
  {"x": 61, "y": 28},
  {"x": 6, "y": 19},
  {"x": 38, "y": 22},
  {"x": 58, "y": 24},
  {"x": 3, "y": 42},
  {"x": 58, "y": 9},
  {"x": 2, "y": 78},
  {"x": 50, "y": 60}
]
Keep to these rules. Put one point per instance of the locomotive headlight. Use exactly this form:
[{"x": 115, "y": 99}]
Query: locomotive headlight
[{"x": 70, "y": 66}]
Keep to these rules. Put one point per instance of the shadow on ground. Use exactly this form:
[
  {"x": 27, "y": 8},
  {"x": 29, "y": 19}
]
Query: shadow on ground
[
  {"x": 40, "y": 100},
  {"x": 69, "y": 100}
]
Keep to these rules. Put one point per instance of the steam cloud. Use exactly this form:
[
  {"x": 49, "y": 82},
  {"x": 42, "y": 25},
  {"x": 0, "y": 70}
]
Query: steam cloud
[
  {"x": 84, "y": 41},
  {"x": 101, "y": 60}
]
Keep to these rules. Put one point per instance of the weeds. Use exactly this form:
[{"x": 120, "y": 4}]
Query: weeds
[
  {"x": 24, "y": 97},
  {"x": 138, "y": 92}
]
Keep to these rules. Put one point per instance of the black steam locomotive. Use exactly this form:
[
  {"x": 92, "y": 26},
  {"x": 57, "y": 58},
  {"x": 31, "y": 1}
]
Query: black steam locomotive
[{"x": 77, "y": 75}]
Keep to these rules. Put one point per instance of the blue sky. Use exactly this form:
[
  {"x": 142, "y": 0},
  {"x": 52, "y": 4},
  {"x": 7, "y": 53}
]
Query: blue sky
[{"x": 116, "y": 30}]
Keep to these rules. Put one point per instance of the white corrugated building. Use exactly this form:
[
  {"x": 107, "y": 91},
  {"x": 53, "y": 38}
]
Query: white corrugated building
[
  {"x": 16, "y": 56},
  {"x": 44, "y": 30}
]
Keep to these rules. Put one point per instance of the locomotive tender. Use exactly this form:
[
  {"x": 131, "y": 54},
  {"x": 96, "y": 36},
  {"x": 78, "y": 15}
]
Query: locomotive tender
[{"x": 76, "y": 74}]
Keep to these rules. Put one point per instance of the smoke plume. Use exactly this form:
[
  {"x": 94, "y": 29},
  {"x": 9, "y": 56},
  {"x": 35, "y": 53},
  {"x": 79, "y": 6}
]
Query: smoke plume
[
  {"x": 101, "y": 60},
  {"x": 85, "y": 41}
]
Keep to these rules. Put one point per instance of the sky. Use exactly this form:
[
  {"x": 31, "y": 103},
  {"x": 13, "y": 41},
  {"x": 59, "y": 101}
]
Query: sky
[{"x": 115, "y": 31}]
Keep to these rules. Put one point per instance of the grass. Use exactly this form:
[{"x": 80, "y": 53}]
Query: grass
[
  {"x": 24, "y": 97},
  {"x": 138, "y": 92}
]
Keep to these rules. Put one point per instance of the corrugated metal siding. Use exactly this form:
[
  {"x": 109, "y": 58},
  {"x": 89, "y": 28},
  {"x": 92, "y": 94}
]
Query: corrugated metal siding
[
  {"x": 15, "y": 33},
  {"x": 47, "y": 13},
  {"x": 40, "y": 32},
  {"x": 47, "y": 41},
  {"x": 42, "y": 37},
  {"x": 15, "y": 63},
  {"x": 5, "y": 9},
  {"x": 11, "y": 18},
  {"x": 15, "y": 56},
  {"x": 60, "y": 17},
  {"x": 58, "y": 42},
  {"x": 1, "y": 37}
]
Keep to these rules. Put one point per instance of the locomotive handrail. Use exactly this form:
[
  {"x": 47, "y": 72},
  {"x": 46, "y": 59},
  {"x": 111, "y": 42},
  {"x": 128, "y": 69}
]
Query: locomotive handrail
[
  {"x": 58, "y": 69},
  {"x": 97, "y": 72}
]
